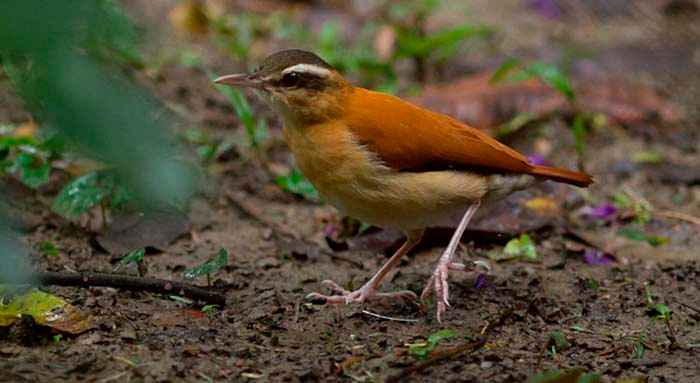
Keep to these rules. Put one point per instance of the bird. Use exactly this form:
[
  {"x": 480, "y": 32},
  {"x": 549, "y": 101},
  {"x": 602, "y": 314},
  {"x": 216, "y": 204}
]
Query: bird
[{"x": 388, "y": 162}]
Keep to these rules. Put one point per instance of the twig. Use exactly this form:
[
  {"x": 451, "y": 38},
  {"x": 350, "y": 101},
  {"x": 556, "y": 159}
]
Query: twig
[
  {"x": 453, "y": 352},
  {"x": 240, "y": 200},
  {"x": 125, "y": 282},
  {"x": 664, "y": 213},
  {"x": 438, "y": 357},
  {"x": 671, "y": 334},
  {"x": 697, "y": 310},
  {"x": 366, "y": 312},
  {"x": 679, "y": 216},
  {"x": 114, "y": 377}
]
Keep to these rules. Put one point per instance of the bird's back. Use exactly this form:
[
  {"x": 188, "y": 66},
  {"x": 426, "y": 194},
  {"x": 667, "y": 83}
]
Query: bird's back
[{"x": 409, "y": 138}]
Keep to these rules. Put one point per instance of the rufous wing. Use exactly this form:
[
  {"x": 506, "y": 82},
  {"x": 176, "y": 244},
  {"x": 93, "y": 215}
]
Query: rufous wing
[{"x": 409, "y": 138}]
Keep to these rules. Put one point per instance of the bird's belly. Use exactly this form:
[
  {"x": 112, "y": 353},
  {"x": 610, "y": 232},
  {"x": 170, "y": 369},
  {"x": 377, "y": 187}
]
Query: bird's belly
[
  {"x": 352, "y": 179},
  {"x": 410, "y": 200}
]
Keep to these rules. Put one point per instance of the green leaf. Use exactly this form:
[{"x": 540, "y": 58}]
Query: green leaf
[
  {"x": 592, "y": 284},
  {"x": 190, "y": 59},
  {"x": 659, "y": 311},
  {"x": 521, "y": 248},
  {"x": 579, "y": 130},
  {"x": 206, "y": 152},
  {"x": 208, "y": 267},
  {"x": 135, "y": 256},
  {"x": 648, "y": 157},
  {"x": 558, "y": 340},
  {"x": 180, "y": 299},
  {"x": 436, "y": 337},
  {"x": 296, "y": 183},
  {"x": 195, "y": 136},
  {"x": 48, "y": 248},
  {"x": 80, "y": 195},
  {"x": 632, "y": 234},
  {"x": 210, "y": 309},
  {"x": 121, "y": 195},
  {"x": 552, "y": 76},
  {"x": 637, "y": 235},
  {"x": 622, "y": 201},
  {"x": 9, "y": 142},
  {"x": 513, "y": 70},
  {"x": 515, "y": 124},
  {"x": 423, "y": 349},
  {"x": 504, "y": 70},
  {"x": 657, "y": 240},
  {"x": 642, "y": 212},
  {"x": 31, "y": 170},
  {"x": 639, "y": 347},
  {"x": 113, "y": 35},
  {"x": 46, "y": 310},
  {"x": 256, "y": 130},
  {"x": 411, "y": 44}
]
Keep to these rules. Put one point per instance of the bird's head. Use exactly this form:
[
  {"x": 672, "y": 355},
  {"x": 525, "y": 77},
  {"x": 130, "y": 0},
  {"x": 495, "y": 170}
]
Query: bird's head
[{"x": 297, "y": 84}]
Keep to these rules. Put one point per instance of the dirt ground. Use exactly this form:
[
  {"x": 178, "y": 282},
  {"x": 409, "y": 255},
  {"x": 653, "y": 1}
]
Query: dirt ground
[{"x": 504, "y": 327}]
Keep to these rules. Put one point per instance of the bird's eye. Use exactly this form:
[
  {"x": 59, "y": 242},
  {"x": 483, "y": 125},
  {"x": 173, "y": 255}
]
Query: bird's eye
[{"x": 290, "y": 79}]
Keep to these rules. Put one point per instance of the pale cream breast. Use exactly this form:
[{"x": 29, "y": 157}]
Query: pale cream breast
[{"x": 350, "y": 177}]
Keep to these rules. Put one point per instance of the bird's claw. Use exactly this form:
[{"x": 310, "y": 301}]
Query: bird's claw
[
  {"x": 364, "y": 294},
  {"x": 438, "y": 282},
  {"x": 483, "y": 265}
]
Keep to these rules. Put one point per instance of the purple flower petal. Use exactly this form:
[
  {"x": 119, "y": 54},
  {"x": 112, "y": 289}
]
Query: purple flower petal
[
  {"x": 331, "y": 230},
  {"x": 480, "y": 282},
  {"x": 604, "y": 211},
  {"x": 596, "y": 257},
  {"x": 536, "y": 159},
  {"x": 546, "y": 8}
]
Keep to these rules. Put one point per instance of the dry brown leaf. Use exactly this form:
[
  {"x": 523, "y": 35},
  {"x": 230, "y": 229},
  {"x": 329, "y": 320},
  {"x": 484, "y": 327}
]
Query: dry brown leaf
[
  {"x": 189, "y": 18},
  {"x": 483, "y": 105}
]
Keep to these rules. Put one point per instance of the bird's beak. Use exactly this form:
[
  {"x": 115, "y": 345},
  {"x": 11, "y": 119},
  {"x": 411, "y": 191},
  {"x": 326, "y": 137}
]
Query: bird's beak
[{"x": 240, "y": 79}]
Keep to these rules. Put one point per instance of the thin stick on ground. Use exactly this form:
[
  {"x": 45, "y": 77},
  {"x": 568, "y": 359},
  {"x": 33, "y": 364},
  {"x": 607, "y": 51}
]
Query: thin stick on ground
[
  {"x": 679, "y": 216},
  {"x": 125, "y": 282},
  {"x": 379, "y": 316},
  {"x": 453, "y": 352},
  {"x": 438, "y": 357},
  {"x": 697, "y": 310}
]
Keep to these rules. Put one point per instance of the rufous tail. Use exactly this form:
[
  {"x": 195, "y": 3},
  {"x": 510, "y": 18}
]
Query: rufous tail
[{"x": 562, "y": 175}]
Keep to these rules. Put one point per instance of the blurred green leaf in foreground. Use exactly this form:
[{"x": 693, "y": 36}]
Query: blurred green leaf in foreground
[
  {"x": 64, "y": 62},
  {"x": 14, "y": 265}
]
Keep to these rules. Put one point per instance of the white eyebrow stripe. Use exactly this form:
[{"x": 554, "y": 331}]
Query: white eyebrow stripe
[{"x": 308, "y": 68}]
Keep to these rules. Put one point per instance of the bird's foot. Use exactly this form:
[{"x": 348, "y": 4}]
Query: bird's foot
[
  {"x": 365, "y": 293},
  {"x": 438, "y": 282}
]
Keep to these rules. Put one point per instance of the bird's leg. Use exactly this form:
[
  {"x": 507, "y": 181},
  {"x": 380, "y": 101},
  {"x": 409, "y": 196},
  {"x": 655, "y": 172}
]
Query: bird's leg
[
  {"x": 368, "y": 290},
  {"x": 438, "y": 281}
]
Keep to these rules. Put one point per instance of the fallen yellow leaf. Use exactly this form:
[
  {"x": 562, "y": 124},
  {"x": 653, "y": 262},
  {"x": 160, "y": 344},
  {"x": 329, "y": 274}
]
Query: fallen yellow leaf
[
  {"x": 542, "y": 205},
  {"x": 46, "y": 310}
]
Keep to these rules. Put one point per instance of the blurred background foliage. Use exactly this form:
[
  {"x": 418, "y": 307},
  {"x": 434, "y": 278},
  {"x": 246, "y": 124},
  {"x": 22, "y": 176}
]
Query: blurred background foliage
[{"x": 66, "y": 62}]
